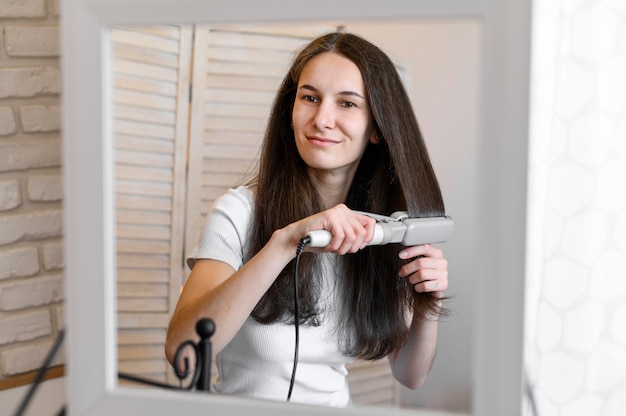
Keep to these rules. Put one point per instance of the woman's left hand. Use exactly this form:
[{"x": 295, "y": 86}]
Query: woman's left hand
[{"x": 428, "y": 269}]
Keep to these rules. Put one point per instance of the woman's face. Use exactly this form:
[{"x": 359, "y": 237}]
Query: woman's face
[{"x": 331, "y": 116}]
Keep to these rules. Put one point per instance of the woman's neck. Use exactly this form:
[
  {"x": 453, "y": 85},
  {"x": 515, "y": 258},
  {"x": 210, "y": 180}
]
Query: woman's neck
[{"x": 333, "y": 188}]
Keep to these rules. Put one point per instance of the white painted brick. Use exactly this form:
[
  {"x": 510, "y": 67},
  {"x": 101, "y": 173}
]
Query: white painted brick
[
  {"x": 10, "y": 195},
  {"x": 31, "y": 226},
  {"x": 7, "y": 121},
  {"x": 25, "y": 326},
  {"x": 18, "y": 262},
  {"x": 30, "y": 357},
  {"x": 42, "y": 188},
  {"x": 53, "y": 256},
  {"x": 22, "y": 8},
  {"x": 31, "y": 41},
  {"x": 30, "y": 155},
  {"x": 40, "y": 118},
  {"x": 34, "y": 291},
  {"x": 29, "y": 82}
]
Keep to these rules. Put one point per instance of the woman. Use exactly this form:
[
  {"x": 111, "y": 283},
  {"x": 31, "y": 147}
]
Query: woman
[{"x": 341, "y": 138}]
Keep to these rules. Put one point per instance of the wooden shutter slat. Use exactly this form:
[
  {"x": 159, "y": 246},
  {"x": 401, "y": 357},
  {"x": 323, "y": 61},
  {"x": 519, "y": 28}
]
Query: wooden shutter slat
[
  {"x": 304, "y": 32},
  {"x": 142, "y": 158},
  {"x": 226, "y": 152},
  {"x": 231, "y": 137},
  {"x": 145, "y": 188},
  {"x": 143, "y": 367},
  {"x": 163, "y": 31},
  {"x": 144, "y": 173},
  {"x": 143, "y": 231},
  {"x": 241, "y": 82},
  {"x": 140, "y": 246},
  {"x": 124, "y": 82},
  {"x": 233, "y": 38},
  {"x": 142, "y": 320},
  {"x": 143, "y": 203},
  {"x": 143, "y": 99},
  {"x": 142, "y": 352},
  {"x": 141, "y": 129},
  {"x": 144, "y": 275},
  {"x": 140, "y": 337},
  {"x": 131, "y": 53},
  {"x": 140, "y": 261},
  {"x": 142, "y": 290},
  {"x": 128, "y": 305},
  {"x": 239, "y": 96},
  {"x": 144, "y": 144},
  {"x": 239, "y": 110},
  {"x": 155, "y": 117},
  {"x": 125, "y": 216},
  {"x": 148, "y": 37},
  {"x": 243, "y": 166},
  {"x": 146, "y": 70}
]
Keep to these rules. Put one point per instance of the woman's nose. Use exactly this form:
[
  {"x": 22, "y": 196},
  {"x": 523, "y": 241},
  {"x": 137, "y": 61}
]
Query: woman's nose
[{"x": 324, "y": 117}]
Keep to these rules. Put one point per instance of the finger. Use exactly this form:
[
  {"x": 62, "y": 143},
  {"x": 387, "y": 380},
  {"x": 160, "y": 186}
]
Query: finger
[
  {"x": 369, "y": 225},
  {"x": 349, "y": 236},
  {"x": 354, "y": 231},
  {"x": 427, "y": 274},
  {"x": 426, "y": 250},
  {"x": 429, "y": 286},
  {"x": 423, "y": 263}
]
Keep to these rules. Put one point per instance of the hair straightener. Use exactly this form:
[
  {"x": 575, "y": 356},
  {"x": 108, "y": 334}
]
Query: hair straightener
[{"x": 397, "y": 228}]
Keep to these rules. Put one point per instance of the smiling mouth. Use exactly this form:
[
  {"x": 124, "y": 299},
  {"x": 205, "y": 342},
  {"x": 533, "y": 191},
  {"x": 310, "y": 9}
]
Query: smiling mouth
[{"x": 320, "y": 140}]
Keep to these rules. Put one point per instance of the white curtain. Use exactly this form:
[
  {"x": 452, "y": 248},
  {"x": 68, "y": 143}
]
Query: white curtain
[{"x": 575, "y": 340}]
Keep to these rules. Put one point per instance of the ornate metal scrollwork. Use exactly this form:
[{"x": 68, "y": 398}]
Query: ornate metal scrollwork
[{"x": 201, "y": 380}]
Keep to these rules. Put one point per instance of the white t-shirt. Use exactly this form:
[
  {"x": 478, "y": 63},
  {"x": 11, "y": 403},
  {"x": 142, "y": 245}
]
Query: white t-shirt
[{"x": 259, "y": 360}]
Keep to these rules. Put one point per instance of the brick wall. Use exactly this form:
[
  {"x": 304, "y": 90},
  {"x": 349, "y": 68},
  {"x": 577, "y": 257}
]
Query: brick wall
[{"x": 31, "y": 246}]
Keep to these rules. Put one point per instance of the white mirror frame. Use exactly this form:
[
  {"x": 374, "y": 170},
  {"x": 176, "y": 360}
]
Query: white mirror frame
[{"x": 89, "y": 218}]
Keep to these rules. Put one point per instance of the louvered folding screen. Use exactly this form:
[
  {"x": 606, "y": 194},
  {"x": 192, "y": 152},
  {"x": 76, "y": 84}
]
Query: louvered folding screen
[
  {"x": 151, "y": 100},
  {"x": 237, "y": 72}
]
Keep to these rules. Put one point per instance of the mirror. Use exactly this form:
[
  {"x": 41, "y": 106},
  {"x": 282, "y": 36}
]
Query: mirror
[
  {"x": 173, "y": 158},
  {"x": 494, "y": 341}
]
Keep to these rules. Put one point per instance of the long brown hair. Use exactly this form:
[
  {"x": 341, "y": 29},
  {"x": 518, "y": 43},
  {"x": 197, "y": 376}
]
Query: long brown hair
[{"x": 393, "y": 175}]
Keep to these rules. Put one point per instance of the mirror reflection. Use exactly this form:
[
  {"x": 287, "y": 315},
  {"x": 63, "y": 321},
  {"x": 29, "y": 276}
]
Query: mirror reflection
[{"x": 190, "y": 107}]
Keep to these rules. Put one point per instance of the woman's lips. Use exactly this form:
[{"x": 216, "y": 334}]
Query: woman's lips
[{"x": 320, "y": 141}]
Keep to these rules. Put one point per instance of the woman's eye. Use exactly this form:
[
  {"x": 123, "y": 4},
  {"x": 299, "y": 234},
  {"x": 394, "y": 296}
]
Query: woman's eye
[
  {"x": 310, "y": 98},
  {"x": 348, "y": 104}
]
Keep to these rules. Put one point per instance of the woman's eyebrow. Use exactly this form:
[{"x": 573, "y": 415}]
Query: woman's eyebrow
[{"x": 348, "y": 93}]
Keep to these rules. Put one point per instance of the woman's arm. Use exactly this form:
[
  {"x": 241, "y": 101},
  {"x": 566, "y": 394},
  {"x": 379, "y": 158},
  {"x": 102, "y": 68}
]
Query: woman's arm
[
  {"x": 411, "y": 363},
  {"x": 216, "y": 291}
]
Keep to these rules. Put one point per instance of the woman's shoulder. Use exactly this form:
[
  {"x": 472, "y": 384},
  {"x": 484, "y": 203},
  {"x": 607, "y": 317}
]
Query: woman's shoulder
[{"x": 241, "y": 197}]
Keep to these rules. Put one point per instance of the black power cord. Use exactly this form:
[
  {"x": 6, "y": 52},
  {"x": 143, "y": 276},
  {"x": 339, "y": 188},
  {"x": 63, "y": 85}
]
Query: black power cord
[
  {"x": 296, "y": 315},
  {"x": 39, "y": 378}
]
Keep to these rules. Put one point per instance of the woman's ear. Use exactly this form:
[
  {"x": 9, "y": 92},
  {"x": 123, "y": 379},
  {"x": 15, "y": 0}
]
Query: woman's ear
[{"x": 374, "y": 139}]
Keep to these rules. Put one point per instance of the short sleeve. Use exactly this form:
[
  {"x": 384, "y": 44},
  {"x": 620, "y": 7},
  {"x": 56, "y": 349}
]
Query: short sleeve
[{"x": 226, "y": 230}]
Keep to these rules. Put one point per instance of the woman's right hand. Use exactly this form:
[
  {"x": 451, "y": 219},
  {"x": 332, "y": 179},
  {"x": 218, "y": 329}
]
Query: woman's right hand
[{"x": 350, "y": 231}]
